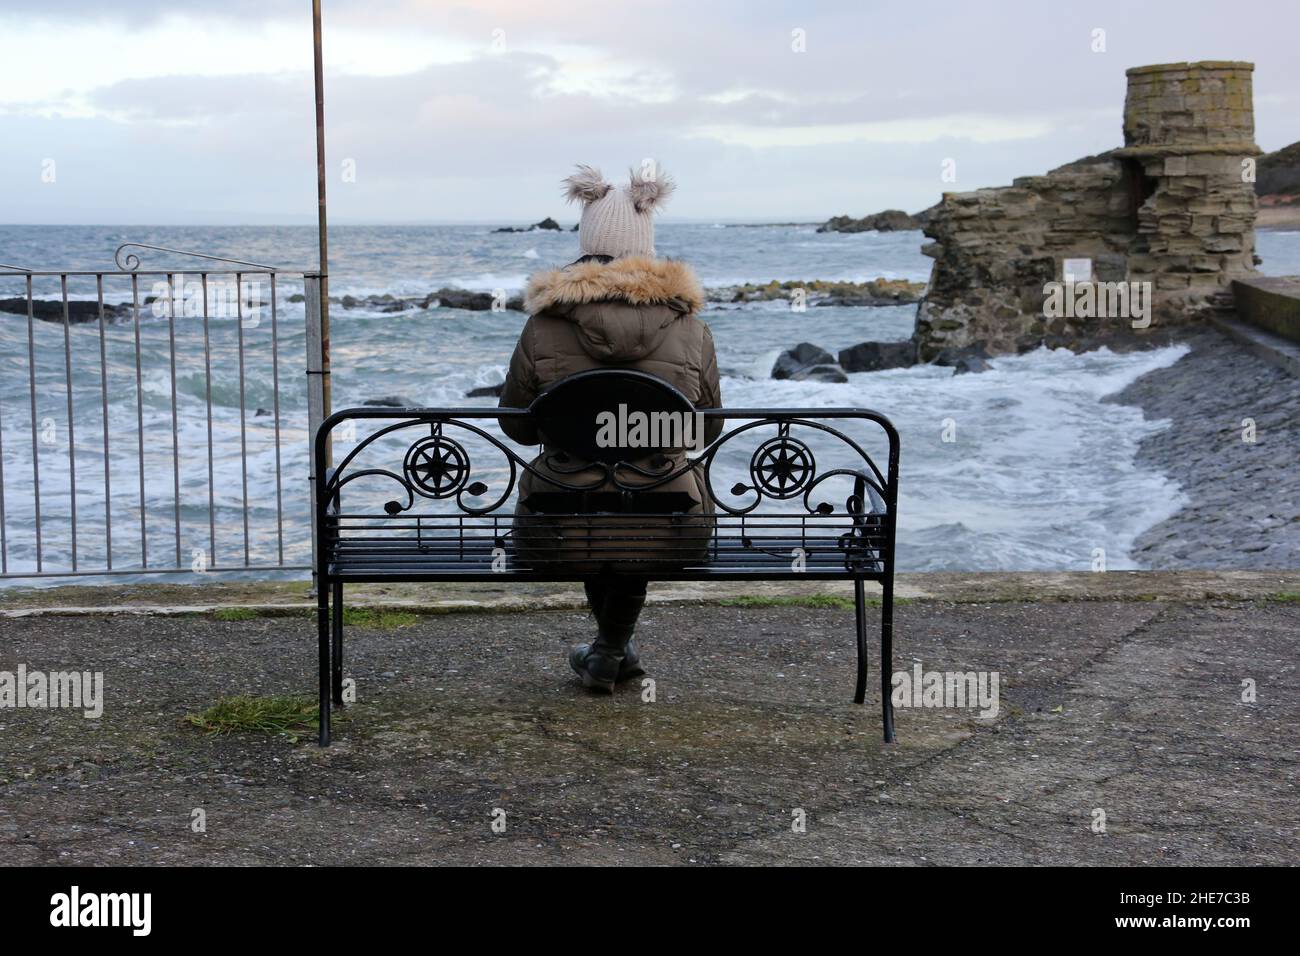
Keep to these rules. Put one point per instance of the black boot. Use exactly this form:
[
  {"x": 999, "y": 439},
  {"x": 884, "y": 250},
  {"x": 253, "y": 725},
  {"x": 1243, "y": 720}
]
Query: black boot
[
  {"x": 613, "y": 657},
  {"x": 629, "y": 605},
  {"x": 597, "y": 664}
]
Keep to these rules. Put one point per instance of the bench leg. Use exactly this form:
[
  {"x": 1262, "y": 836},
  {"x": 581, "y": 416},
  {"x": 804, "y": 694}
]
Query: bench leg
[
  {"x": 887, "y": 659},
  {"x": 860, "y": 613},
  {"x": 337, "y": 635},
  {"x": 323, "y": 647}
]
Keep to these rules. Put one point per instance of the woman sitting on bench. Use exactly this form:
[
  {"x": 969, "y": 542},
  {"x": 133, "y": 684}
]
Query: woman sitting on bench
[{"x": 617, "y": 306}]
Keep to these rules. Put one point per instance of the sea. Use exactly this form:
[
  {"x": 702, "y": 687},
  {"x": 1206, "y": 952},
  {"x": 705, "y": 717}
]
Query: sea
[{"x": 1023, "y": 467}]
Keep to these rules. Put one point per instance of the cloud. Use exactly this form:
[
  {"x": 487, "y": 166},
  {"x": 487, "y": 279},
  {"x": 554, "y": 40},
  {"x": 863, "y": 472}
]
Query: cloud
[{"x": 475, "y": 111}]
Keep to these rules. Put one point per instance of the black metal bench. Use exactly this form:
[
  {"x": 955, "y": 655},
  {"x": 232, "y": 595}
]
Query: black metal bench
[{"x": 428, "y": 495}]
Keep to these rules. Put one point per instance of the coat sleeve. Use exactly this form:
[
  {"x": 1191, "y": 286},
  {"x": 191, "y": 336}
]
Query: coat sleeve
[
  {"x": 520, "y": 389},
  {"x": 710, "y": 385}
]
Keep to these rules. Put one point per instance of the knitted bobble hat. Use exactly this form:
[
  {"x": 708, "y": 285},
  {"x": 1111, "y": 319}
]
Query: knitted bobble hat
[{"x": 618, "y": 222}]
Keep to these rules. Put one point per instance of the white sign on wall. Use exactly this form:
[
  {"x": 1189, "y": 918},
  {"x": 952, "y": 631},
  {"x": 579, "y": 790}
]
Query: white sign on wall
[{"x": 1076, "y": 270}]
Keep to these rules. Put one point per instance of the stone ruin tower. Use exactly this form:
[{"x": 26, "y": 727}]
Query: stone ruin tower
[
  {"x": 1173, "y": 207},
  {"x": 1191, "y": 129}
]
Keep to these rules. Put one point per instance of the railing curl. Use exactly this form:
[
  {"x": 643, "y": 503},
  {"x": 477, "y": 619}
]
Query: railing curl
[{"x": 131, "y": 262}]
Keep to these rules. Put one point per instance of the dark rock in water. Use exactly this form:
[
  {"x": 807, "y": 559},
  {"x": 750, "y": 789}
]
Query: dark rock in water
[
  {"x": 874, "y": 356},
  {"x": 444, "y": 298},
  {"x": 876, "y": 292},
  {"x": 970, "y": 363},
  {"x": 51, "y": 310},
  {"x": 888, "y": 221},
  {"x": 547, "y": 223},
  {"x": 391, "y": 401},
  {"x": 808, "y": 363},
  {"x": 377, "y": 303},
  {"x": 486, "y": 391},
  {"x": 465, "y": 299},
  {"x": 458, "y": 299},
  {"x": 820, "y": 373},
  {"x": 802, "y": 356},
  {"x": 949, "y": 356},
  {"x": 262, "y": 413},
  {"x": 575, "y": 228},
  {"x": 972, "y": 358}
]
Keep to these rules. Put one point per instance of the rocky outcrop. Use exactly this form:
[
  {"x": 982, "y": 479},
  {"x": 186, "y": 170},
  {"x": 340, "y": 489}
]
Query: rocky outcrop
[
  {"x": 1277, "y": 184},
  {"x": 51, "y": 310},
  {"x": 1278, "y": 173},
  {"x": 996, "y": 250},
  {"x": 486, "y": 391},
  {"x": 808, "y": 362},
  {"x": 471, "y": 301},
  {"x": 548, "y": 224},
  {"x": 891, "y": 220},
  {"x": 374, "y": 303},
  {"x": 876, "y": 292},
  {"x": 1168, "y": 212},
  {"x": 443, "y": 298}
]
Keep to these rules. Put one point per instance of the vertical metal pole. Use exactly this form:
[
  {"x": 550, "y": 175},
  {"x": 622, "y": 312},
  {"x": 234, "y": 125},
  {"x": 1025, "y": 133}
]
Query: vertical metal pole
[
  {"x": 36, "y": 446},
  {"x": 72, "y": 435},
  {"x": 318, "y": 351},
  {"x": 322, "y": 226},
  {"x": 323, "y": 658},
  {"x": 311, "y": 286},
  {"x": 139, "y": 419},
  {"x": 103, "y": 397},
  {"x": 207, "y": 379},
  {"x": 275, "y": 395},
  {"x": 887, "y": 599},
  {"x": 176, "y": 441},
  {"x": 243, "y": 410}
]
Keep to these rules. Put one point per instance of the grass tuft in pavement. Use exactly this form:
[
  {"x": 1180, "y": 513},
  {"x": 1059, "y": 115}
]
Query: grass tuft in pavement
[
  {"x": 290, "y": 716},
  {"x": 382, "y": 620},
  {"x": 234, "y": 614}
]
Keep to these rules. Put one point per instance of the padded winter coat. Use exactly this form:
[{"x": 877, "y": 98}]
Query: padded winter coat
[{"x": 636, "y": 313}]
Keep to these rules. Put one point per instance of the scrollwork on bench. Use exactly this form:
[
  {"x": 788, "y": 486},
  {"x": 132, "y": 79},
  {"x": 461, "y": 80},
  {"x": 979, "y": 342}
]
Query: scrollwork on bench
[{"x": 438, "y": 466}]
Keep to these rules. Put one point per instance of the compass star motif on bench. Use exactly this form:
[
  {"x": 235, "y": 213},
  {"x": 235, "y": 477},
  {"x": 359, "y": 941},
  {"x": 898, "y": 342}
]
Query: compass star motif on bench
[
  {"x": 782, "y": 467},
  {"x": 438, "y": 466}
]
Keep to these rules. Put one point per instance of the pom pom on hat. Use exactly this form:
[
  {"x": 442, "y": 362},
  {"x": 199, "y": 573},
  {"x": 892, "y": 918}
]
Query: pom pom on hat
[
  {"x": 586, "y": 185},
  {"x": 649, "y": 192}
]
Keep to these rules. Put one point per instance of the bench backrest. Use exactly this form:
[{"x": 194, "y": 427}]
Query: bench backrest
[{"x": 575, "y": 414}]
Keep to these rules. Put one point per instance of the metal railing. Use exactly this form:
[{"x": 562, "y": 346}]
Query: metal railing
[{"x": 167, "y": 432}]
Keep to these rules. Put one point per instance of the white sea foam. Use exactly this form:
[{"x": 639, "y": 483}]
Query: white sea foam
[{"x": 1040, "y": 473}]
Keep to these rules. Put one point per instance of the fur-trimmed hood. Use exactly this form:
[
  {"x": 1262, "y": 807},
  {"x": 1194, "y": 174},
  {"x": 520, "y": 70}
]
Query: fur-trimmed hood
[{"x": 636, "y": 280}]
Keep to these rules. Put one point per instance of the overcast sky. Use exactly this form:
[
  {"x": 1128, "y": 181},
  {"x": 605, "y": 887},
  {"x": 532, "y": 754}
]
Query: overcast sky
[{"x": 184, "y": 112}]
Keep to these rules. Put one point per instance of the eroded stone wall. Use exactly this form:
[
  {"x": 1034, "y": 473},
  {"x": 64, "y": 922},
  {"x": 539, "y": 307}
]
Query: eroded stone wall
[{"x": 1171, "y": 208}]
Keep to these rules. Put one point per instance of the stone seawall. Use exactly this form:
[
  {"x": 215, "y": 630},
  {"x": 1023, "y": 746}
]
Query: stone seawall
[{"x": 1232, "y": 446}]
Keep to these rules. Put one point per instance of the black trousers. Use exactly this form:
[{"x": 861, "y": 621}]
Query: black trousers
[{"x": 616, "y": 600}]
